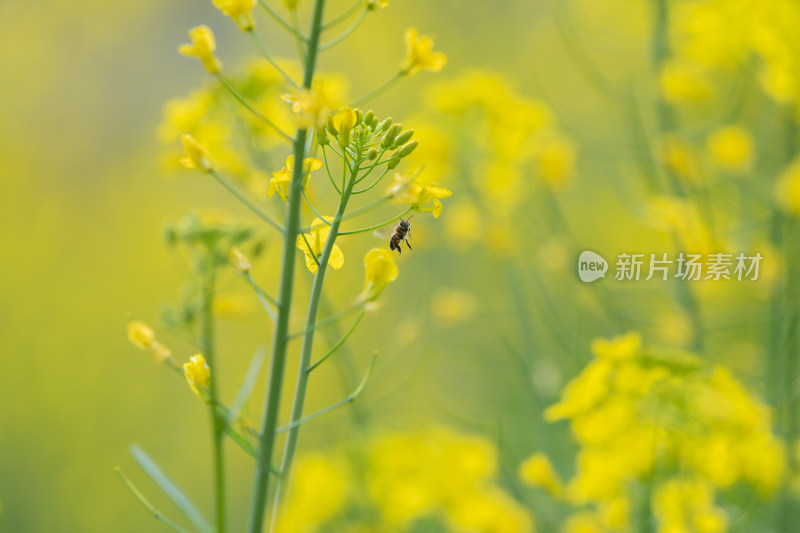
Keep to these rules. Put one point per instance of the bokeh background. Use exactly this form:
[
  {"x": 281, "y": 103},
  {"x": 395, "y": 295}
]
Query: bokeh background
[{"x": 559, "y": 126}]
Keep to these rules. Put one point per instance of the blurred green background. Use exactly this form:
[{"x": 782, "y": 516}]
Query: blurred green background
[{"x": 481, "y": 341}]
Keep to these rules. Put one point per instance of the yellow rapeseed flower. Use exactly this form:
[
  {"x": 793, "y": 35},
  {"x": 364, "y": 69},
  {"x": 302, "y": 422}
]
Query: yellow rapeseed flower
[
  {"x": 198, "y": 374},
  {"x": 683, "y": 82},
  {"x": 787, "y": 189},
  {"x": 420, "y": 54},
  {"x": 618, "y": 348},
  {"x": 196, "y": 156},
  {"x": 316, "y": 243},
  {"x": 202, "y": 47},
  {"x": 380, "y": 269},
  {"x": 344, "y": 120},
  {"x": 537, "y": 471},
  {"x": 556, "y": 161},
  {"x": 279, "y": 183},
  {"x": 731, "y": 148},
  {"x": 421, "y": 197},
  {"x": 241, "y": 11}
]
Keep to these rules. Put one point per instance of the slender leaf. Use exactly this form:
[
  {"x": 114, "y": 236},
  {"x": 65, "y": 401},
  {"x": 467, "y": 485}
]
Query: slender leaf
[
  {"x": 170, "y": 489},
  {"x": 247, "y": 385}
]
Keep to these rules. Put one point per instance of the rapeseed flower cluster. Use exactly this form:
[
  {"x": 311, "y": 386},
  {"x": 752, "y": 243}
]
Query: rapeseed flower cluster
[
  {"x": 664, "y": 424},
  {"x": 404, "y": 479}
]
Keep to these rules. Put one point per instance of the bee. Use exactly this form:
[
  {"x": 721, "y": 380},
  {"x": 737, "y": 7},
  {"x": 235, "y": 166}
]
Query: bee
[{"x": 401, "y": 233}]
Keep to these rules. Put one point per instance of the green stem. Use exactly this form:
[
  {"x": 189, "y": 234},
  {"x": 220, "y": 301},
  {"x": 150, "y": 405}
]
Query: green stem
[
  {"x": 339, "y": 343},
  {"x": 280, "y": 20},
  {"x": 218, "y": 422},
  {"x": 376, "y": 226},
  {"x": 308, "y": 342},
  {"x": 327, "y": 321},
  {"x": 346, "y": 33},
  {"x": 374, "y": 183},
  {"x": 344, "y": 16},
  {"x": 245, "y": 200},
  {"x": 268, "y": 57},
  {"x": 281, "y": 332},
  {"x": 328, "y": 170},
  {"x": 236, "y": 94},
  {"x": 378, "y": 91}
]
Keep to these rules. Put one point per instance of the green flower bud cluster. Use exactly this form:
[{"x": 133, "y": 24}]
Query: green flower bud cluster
[{"x": 362, "y": 134}]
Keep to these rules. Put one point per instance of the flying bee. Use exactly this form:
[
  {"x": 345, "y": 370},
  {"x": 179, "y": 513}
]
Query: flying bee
[{"x": 399, "y": 234}]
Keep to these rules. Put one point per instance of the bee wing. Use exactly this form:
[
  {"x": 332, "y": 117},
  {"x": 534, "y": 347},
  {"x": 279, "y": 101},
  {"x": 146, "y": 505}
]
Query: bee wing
[{"x": 384, "y": 232}]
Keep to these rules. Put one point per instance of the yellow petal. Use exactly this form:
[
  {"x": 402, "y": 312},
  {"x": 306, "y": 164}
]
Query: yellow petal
[{"x": 336, "y": 260}]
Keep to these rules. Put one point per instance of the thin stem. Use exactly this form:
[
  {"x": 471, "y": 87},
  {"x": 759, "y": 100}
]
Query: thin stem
[
  {"x": 268, "y": 57},
  {"x": 374, "y": 183},
  {"x": 327, "y": 321},
  {"x": 372, "y": 167},
  {"x": 360, "y": 210},
  {"x": 310, "y": 249},
  {"x": 245, "y": 200},
  {"x": 328, "y": 170},
  {"x": 281, "y": 21},
  {"x": 236, "y": 94},
  {"x": 146, "y": 503},
  {"x": 218, "y": 422},
  {"x": 314, "y": 209},
  {"x": 377, "y": 226},
  {"x": 340, "y": 342},
  {"x": 378, "y": 91},
  {"x": 281, "y": 332},
  {"x": 346, "y": 33},
  {"x": 350, "y": 398},
  {"x": 308, "y": 342},
  {"x": 344, "y": 16}
]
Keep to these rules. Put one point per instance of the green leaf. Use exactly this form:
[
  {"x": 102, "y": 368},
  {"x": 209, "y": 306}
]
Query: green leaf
[
  {"x": 170, "y": 489},
  {"x": 247, "y": 385}
]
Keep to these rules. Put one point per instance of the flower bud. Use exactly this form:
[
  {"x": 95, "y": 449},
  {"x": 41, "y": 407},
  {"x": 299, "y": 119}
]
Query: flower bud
[
  {"x": 322, "y": 137},
  {"x": 407, "y": 149},
  {"x": 403, "y": 138},
  {"x": 331, "y": 127},
  {"x": 374, "y": 123},
  {"x": 359, "y": 117},
  {"x": 372, "y": 154},
  {"x": 368, "y": 117},
  {"x": 239, "y": 261},
  {"x": 390, "y": 135},
  {"x": 393, "y": 161},
  {"x": 383, "y": 126}
]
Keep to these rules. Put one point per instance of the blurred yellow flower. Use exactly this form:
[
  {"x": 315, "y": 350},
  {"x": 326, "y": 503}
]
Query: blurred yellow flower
[
  {"x": 618, "y": 348},
  {"x": 787, "y": 189},
  {"x": 420, "y": 54},
  {"x": 489, "y": 510},
  {"x": 683, "y": 82},
  {"x": 140, "y": 334},
  {"x": 279, "y": 183},
  {"x": 583, "y": 522},
  {"x": 319, "y": 490},
  {"x": 451, "y": 306},
  {"x": 241, "y": 11},
  {"x": 731, "y": 148},
  {"x": 376, "y": 4},
  {"x": 143, "y": 337},
  {"x": 537, "y": 471},
  {"x": 679, "y": 157},
  {"x": 238, "y": 260},
  {"x": 556, "y": 161},
  {"x": 308, "y": 108},
  {"x": 198, "y": 374},
  {"x": 202, "y": 47},
  {"x": 316, "y": 242},
  {"x": 344, "y": 120},
  {"x": 196, "y": 156},
  {"x": 380, "y": 270},
  {"x": 687, "y": 505}
]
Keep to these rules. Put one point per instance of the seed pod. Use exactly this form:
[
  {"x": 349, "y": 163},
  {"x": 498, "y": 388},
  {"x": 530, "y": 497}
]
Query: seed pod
[
  {"x": 368, "y": 117},
  {"x": 407, "y": 149},
  {"x": 372, "y": 154},
  {"x": 390, "y": 135},
  {"x": 403, "y": 138}
]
